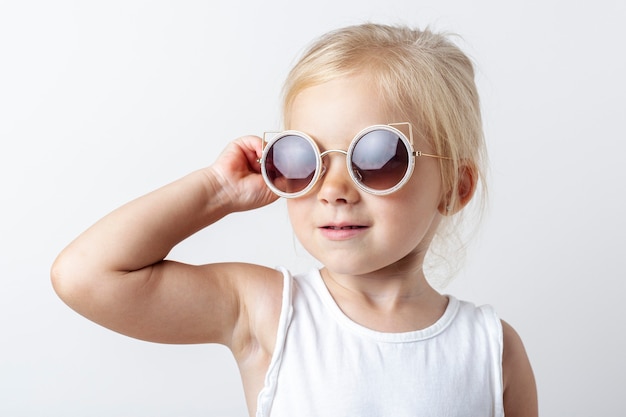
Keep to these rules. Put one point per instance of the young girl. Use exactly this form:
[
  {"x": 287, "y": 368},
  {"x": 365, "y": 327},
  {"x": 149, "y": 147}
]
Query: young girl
[{"x": 383, "y": 147}]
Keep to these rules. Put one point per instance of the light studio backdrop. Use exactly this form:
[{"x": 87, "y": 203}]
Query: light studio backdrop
[{"x": 103, "y": 101}]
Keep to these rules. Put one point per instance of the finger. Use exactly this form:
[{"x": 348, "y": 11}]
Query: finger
[
  {"x": 252, "y": 147},
  {"x": 254, "y": 143}
]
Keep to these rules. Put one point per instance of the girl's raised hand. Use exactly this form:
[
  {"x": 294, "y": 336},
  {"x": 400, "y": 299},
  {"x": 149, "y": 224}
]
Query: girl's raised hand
[{"x": 238, "y": 174}]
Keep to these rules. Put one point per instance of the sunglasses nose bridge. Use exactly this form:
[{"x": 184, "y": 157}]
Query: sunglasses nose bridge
[{"x": 325, "y": 153}]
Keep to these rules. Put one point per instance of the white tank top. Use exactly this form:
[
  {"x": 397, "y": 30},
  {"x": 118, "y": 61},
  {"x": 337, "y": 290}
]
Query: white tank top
[{"x": 325, "y": 365}]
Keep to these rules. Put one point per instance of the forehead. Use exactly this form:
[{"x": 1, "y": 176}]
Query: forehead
[{"x": 336, "y": 110}]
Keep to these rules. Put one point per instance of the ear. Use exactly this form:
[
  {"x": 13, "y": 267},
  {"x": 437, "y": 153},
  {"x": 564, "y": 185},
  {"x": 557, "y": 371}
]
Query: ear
[{"x": 466, "y": 186}]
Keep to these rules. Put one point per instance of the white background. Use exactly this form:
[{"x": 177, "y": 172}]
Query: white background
[{"x": 103, "y": 101}]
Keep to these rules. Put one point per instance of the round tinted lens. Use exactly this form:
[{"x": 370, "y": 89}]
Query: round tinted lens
[
  {"x": 380, "y": 159},
  {"x": 290, "y": 164}
]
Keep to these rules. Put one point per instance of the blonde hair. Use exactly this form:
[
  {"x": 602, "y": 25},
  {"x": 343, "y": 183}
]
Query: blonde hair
[{"x": 420, "y": 74}]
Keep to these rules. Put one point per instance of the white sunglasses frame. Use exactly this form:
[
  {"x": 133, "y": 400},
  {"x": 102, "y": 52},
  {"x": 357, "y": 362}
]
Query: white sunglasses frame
[{"x": 319, "y": 166}]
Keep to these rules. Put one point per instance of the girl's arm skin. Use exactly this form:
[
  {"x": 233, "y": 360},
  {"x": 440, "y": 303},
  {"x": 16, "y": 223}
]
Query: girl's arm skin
[
  {"x": 520, "y": 390},
  {"x": 115, "y": 273}
]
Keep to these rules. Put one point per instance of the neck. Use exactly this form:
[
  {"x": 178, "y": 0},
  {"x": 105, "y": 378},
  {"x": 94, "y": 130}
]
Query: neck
[
  {"x": 394, "y": 300},
  {"x": 379, "y": 285}
]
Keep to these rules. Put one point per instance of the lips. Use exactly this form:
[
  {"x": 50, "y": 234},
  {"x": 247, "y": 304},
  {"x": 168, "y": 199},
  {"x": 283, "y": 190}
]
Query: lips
[{"x": 342, "y": 231}]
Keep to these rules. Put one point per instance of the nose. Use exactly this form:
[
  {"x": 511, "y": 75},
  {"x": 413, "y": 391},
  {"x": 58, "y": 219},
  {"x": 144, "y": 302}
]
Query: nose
[{"x": 336, "y": 185}]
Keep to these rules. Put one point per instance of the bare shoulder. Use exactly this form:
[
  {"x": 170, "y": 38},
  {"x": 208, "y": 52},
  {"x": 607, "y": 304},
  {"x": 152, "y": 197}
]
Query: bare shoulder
[
  {"x": 520, "y": 390},
  {"x": 260, "y": 291},
  {"x": 257, "y": 295}
]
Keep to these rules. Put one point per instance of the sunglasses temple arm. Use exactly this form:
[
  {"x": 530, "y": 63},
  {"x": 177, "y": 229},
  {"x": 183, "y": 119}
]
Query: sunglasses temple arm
[{"x": 419, "y": 153}]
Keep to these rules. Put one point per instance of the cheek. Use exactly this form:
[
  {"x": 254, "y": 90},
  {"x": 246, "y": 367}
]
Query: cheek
[
  {"x": 412, "y": 227},
  {"x": 425, "y": 184},
  {"x": 415, "y": 208},
  {"x": 303, "y": 224},
  {"x": 410, "y": 217},
  {"x": 299, "y": 213}
]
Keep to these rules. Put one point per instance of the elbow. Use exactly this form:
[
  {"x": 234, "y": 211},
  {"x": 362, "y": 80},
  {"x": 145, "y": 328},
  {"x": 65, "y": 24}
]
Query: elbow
[
  {"x": 60, "y": 277},
  {"x": 69, "y": 279}
]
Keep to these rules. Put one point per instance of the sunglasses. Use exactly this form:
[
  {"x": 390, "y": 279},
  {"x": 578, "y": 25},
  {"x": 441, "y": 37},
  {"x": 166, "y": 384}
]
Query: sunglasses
[{"x": 380, "y": 160}]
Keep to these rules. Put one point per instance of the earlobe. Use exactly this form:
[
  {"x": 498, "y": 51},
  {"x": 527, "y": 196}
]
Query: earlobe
[
  {"x": 465, "y": 189},
  {"x": 444, "y": 208}
]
